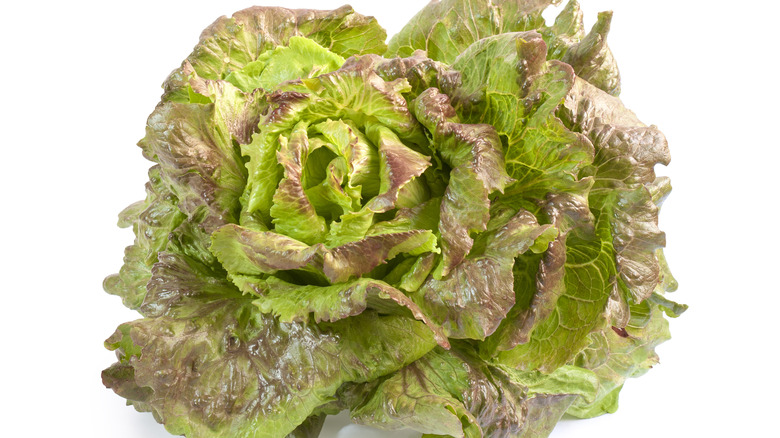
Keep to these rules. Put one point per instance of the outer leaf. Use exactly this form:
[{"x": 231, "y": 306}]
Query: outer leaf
[
  {"x": 506, "y": 82},
  {"x": 444, "y": 29},
  {"x": 294, "y": 303},
  {"x": 589, "y": 279},
  {"x": 589, "y": 54},
  {"x": 198, "y": 162},
  {"x": 301, "y": 58},
  {"x": 476, "y": 156},
  {"x": 130, "y": 283},
  {"x": 358, "y": 258},
  {"x": 216, "y": 366},
  {"x": 446, "y": 393},
  {"x": 623, "y": 170},
  {"x": 235, "y": 111},
  {"x": 615, "y": 357},
  {"x": 241, "y": 250},
  {"x": 544, "y": 412},
  {"x": 152, "y": 220},
  {"x": 453, "y": 393},
  {"x": 193, "y": 188},
  {"x": 419, "y": 70},
  {"x": 230, "y": 44},
  {"x": 566, "y": 380},
  {"x": 247, "y": 252},
  {"x": 540, "y": 280},
  {"x": 179, "y": 281},
  {"x": 476, "y": 296}
]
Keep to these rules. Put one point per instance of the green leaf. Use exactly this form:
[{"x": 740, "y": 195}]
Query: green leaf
[
  {"x": 130, "y": 282},
  {"x": 417, "y": 273},
  {"x": 447, "y": 393},
  {"x": 615, "y": 356},
  {"x": 543, "y": 413},
  {"x": 455, "y": 394},
  {"x": 579, "y": 302},
  {"x": 235, "y": 111},
  {"x": 398, "y": 166},
  {"x": 216, "y": 366},
  {"x": 247, "y": 252},
  {"x": 625, "y": 188},
  {"x": 294, "y": 303},
  {"x": 347, "y": 141},
  {"x": 153, "y": 220},
  {"x": 672, "y": 309},
  {"x": 193, "y": 144},
  {"x": 292, "y": 213},
  {"x": 421, "y": 217},
  {"x": 507, "y": 82},
  {"x": 354, "y": 93},
  {"x": 419, "y": 70},
  {"x": 351, "y": 227},
  {"x": 444, "y": 29},
  {"x": 357, "y": 258},
  {"x": 329, "y": 198},
  {"x": 301, "y": 58},
  {"x": 589, "y": 54},
  {"x": 230, "y": 44},
  {"x": 475, "y": 154},
  {"x": 540, "y": 280},
  {"x": 478, "y": 293},
  {"x": 194, "y": 187}
]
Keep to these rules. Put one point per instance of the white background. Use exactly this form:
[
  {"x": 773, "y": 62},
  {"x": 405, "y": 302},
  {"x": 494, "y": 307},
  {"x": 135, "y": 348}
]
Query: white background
[{"x": 79, "y": 78}]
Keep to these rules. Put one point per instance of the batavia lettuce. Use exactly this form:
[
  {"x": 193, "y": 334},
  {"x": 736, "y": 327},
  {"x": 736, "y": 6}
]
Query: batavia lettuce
[{"x": 455, "y": 232}]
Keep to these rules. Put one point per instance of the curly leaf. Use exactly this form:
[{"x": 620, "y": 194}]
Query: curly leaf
[
  {"x": 230, "y": 44},
  {"x": 290, "y": 302},
  {"x": 478, "y": 293},
  {"x": 475, "y": 154},
  {"x": 444, "y": 29},
  {"x": 275, "y": 373}
]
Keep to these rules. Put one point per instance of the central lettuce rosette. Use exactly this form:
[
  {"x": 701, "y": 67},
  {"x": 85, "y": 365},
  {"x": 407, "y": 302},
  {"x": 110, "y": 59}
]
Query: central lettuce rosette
[{"x": 459, "y": 237}]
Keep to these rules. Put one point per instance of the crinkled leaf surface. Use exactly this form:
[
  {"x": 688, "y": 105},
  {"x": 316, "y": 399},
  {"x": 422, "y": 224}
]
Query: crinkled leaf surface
[
  {"x": 210, "y": 363},
  {"x": 290, "y": 302},
  {"x": 301, "y": 58},
  {"x": 507, "y": 83},
  {"x": 475, "y": 154},
  {"x": 230, "y": 44},
  {"x": 625, "y": 187},
  {"x": 478, "y": 293},
  {"x": 454, "y": 393},
  {"x": 615, "y": 356},
  {"x": 444, "y": 29},
  {"x": 446, "y": 393}
]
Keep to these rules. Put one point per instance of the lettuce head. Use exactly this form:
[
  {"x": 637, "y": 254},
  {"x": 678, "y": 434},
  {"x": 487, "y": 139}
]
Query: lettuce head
[{"x": 455, "y": 232}]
